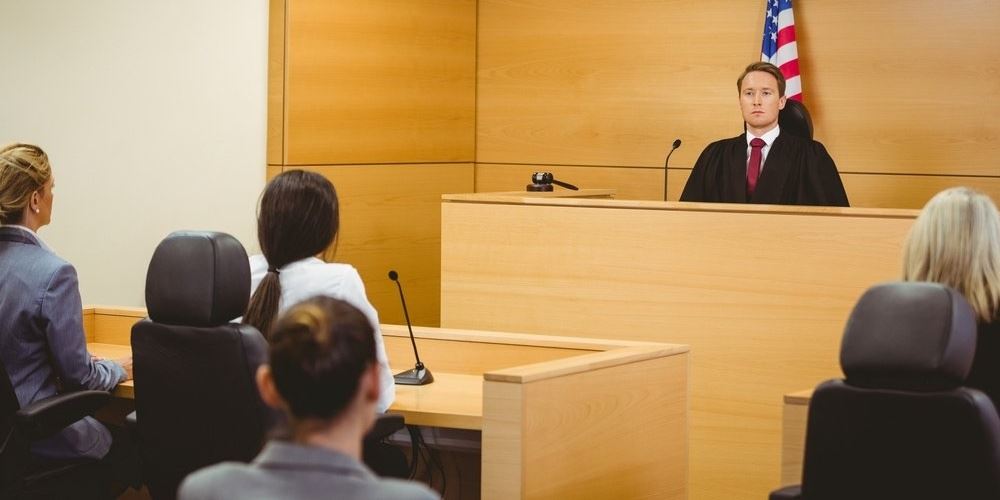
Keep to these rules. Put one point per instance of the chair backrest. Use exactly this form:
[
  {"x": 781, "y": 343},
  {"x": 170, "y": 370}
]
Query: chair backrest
[
  {"x": 794, "y": 119},
  {"x": 196, "y": 400},
  {"x": 901, "y": 425}
]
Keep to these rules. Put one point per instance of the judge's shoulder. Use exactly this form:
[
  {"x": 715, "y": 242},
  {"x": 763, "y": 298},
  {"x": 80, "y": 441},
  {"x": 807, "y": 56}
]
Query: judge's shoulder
[{"x": 804, "y": 143}]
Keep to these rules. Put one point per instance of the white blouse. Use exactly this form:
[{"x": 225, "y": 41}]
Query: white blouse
[{"x": 310, "y": 277}]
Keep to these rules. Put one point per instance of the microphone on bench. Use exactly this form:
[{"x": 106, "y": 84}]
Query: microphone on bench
[{"x": 419, "y": 375}]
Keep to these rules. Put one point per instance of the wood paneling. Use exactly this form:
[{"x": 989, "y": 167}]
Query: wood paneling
[
  {"x": 606, "y": 83},
  {"x": 926, "y": 101},
  {"x": 276, "y": 82},
  {"x": 272, "y": 171},
  {"x": 379, "y": 81},
  {"x": 794, "y": 416},
  {"x": 390, "y": 218},
  {"x": 600, "y": 82},
  {"x": 910, "y": 191},
  {"x": 564, "y": 434},
  {"x": 759, "y": 293},
  {"x": 111, "y": 325}
]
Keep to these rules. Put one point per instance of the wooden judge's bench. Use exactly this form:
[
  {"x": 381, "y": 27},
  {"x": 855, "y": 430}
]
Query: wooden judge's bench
[{"x": 759, "y": 292}]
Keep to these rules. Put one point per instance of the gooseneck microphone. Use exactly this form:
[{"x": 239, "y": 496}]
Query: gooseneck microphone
[
  {"x": 419, "y": 375},
  {"x": 677, "y": 144}
]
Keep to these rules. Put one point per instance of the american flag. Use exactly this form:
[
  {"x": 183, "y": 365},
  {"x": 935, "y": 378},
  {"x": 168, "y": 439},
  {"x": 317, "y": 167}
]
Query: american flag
[{"x": 779, "y": 46}]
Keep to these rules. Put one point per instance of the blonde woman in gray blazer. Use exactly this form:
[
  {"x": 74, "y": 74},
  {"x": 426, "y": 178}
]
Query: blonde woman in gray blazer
[{"x": 42, "y": 343}]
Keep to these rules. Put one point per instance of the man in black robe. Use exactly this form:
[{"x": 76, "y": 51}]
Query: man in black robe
[{"x": 789, "y": 170}]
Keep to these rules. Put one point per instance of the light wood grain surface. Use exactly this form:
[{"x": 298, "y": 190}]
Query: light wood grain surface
[
  {"x": 390, "y": 218},
  {"x": 276, "y": 82},
  {"x": 794, "y": 416},
  {"x": 615, "y": 432},
  {"x": 759, "y": 293},
  {"x": 595, "y": 83},
  {"x": 379, "y": 81}
]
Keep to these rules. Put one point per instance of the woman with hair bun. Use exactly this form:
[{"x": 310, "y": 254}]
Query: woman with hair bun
[{"x": 325, "y": 376}]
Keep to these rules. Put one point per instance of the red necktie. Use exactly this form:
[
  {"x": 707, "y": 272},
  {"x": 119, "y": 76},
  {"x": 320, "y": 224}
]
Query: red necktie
[{"x": 753, "y": 168}]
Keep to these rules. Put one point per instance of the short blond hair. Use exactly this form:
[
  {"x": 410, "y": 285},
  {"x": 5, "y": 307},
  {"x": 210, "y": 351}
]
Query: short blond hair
[
  {"x": 956, "y": 242},
  {"x": 764, "y": 67},
  {"x": 24, "y": 169}
]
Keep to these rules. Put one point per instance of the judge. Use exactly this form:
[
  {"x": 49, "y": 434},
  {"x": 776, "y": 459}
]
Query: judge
[{"x": 765, "y": 165}]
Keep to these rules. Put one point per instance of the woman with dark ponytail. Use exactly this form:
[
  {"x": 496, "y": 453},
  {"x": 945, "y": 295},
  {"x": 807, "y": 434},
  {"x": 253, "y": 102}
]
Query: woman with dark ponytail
[{"x": 298, "y": 219}]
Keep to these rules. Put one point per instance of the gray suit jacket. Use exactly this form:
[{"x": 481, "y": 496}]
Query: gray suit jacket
[
  {"x": 42, "y": 342},
  {"x": 292, "y": 471}
]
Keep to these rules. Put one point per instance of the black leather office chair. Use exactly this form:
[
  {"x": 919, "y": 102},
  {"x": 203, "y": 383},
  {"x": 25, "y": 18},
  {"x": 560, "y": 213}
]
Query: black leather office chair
[
  {"x": 21, "y": 476},
  {"x": 901, "y": 425},
  {"x": 196, "y": 398},
  {"x": 794, "y": 118}
]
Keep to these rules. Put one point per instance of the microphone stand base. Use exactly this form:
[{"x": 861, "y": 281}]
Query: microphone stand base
[{"x": 414, "y": 377}]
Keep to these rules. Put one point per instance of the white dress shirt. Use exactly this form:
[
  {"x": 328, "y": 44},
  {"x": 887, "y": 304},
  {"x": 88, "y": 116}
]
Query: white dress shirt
[
  {"x": 310, "y": 277},
  {"x": 769, "y": 138}
]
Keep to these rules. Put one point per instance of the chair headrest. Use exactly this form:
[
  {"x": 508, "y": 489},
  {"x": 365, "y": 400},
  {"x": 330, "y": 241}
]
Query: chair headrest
[
  {"x": 198, "y": 278},
  {"x": 909, "y": 336},
  {"x": 794, "y": 119}
]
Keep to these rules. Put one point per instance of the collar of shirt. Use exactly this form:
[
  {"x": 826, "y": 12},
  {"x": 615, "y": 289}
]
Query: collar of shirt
[
  {"x": 769, "y": 138},
  {"x": 33, "y": 235}
]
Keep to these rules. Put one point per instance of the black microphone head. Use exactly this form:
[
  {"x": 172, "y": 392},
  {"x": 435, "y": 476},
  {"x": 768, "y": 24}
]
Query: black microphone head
[
  {"x": 393, "y": 275},
  {"x": 677, "y": 143}
]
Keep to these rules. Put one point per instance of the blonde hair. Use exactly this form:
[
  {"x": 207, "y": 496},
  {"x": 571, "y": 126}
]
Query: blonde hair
[
  {"x": 956, "y": 242},
  {"x": 24, "y": 169}
]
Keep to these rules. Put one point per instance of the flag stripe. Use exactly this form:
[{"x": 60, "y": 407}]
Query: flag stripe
[
  {"x": 786, "y": 35},
  {"x": 790, "y": 69},
  {"x": 779, "y": 46}
]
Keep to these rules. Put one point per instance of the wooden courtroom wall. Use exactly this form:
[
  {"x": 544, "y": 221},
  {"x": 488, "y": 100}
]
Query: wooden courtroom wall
[
  {"x": 379, "y": 97},
  {"x": 904, "y": 93},
  {"x": 400, "y": 99}
]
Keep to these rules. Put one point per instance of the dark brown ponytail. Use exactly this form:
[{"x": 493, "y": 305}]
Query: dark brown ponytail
[{"x": 298, "y": 218}]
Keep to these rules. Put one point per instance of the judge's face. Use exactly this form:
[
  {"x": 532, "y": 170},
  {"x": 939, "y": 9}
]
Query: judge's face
[{"x": 760, "y": 102}]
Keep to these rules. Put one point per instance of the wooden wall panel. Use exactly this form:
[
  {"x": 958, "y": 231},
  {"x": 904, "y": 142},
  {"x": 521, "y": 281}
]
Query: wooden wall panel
[
  {"x": 276, "y": 82},
  {"x": 390, "y": 219},
  {"x": 904, "y": 86},
  {"x": 600, "y": 82},
  {"x": 380, "y": 81},
  {"x": 379, "y": 96},
  {"x": 909, "y": 191},
  {"x": 604, "y": 83}
]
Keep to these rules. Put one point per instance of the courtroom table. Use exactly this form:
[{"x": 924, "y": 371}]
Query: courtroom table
[
  {"x": 760, "y": 293},
  {"x": 795, "y": 415},
  {"x": 560, "y": 417}
]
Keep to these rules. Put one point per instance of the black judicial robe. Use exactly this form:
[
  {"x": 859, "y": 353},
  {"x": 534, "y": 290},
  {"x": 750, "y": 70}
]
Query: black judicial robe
[{"x": 797, "y": 171}]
